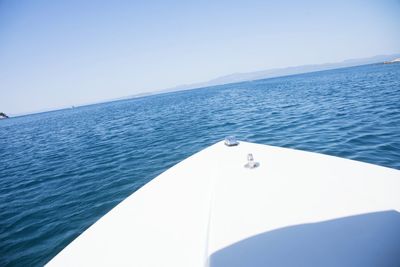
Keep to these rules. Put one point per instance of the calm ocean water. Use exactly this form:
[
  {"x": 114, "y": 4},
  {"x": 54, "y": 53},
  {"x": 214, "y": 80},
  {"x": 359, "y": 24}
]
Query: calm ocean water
[{"x": 61, "y": 171}]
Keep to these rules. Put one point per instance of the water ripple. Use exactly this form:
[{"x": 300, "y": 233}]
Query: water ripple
[{"x": 63, "y": 170}]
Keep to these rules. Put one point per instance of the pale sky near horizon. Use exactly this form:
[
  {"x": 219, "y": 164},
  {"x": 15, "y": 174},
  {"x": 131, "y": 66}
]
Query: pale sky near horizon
[{"x": 56, "y": 54}]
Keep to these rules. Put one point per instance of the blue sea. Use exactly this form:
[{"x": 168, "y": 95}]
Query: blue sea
[{"x": 61, "y": 171}]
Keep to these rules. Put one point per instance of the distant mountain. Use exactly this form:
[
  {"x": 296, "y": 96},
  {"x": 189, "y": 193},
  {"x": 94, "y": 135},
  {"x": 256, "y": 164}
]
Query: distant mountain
[
  {"x": 264, "y": 74},
  {"x": 249, "y": 76}
]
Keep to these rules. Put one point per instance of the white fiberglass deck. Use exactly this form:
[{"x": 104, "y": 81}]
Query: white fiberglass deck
[{"x": 296, "y": 209}]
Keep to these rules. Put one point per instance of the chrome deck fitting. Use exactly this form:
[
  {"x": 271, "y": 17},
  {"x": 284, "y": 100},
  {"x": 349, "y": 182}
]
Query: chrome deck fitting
[
  {"x": 231, "y": 141},
  {"x": 251, "y": 164}
]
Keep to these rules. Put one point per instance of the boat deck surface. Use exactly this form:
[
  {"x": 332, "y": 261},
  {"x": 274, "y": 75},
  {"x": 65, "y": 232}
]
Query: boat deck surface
[{"x": 295, "y": 209}]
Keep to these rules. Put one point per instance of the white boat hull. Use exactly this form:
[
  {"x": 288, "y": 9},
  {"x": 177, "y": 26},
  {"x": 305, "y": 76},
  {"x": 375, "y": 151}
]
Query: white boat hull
[{"x": 295, "y": 209}]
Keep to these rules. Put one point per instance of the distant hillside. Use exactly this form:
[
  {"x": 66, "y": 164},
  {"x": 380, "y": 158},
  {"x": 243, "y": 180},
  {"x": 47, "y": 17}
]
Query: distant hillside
[
  {"x": 264, "y": 74},
  {"x": 3, "y": 115}
]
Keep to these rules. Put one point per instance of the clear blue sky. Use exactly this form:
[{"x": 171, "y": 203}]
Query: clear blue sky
[{"x": 55, "y": 54}]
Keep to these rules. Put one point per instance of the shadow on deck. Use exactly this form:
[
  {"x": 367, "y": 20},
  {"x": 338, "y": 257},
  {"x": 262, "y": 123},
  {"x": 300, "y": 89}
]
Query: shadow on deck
[{"x": 371, "y": 239}]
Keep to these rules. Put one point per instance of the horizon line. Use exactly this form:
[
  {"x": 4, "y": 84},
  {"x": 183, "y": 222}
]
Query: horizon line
[{"x": 171, "y": 89}]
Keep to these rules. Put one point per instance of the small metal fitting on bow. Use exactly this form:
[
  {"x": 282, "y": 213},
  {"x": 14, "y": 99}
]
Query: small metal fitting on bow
[
  {"x": 231, "y": 141},
  {"x": 251, "y": 164}
]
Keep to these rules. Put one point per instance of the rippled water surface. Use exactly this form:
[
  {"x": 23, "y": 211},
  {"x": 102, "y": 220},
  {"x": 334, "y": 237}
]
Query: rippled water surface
[{"x": 61, "y": 171}]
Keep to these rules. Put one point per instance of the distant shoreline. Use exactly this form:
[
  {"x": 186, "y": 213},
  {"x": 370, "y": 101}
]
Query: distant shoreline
[
  {"x": 178, "y": 89},
  {"x": 397, "y": 60},
  {"x": 3, "y": 116}
]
